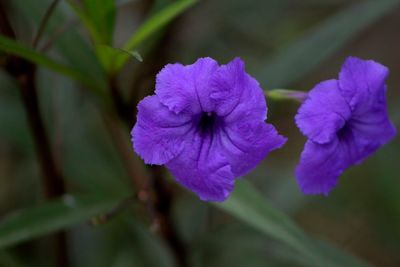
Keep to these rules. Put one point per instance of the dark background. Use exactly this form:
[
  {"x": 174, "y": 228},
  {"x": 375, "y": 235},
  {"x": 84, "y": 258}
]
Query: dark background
[{"x": 291, "y": 44}]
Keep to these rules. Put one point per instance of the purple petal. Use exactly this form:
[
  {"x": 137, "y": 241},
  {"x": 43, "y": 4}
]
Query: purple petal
[
  {"x": 206, "y": 124},
  {"x": 157, "y": 134},
  {"x": 374, "y": 124},
  {"x": 235, "y": 93},
  {"x": 203, "y": 169},
  {"x": 186, "y": 87},
  {"x": 247, "y": 143},
  {"x": 320, "y": 166},
  {"x": 323, "y": 113},
  {"x": 343, "y": 135},
  {"x": 361, "y": 82}
]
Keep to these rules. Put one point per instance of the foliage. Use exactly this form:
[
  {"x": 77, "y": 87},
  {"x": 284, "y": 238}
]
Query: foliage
[{"x": 88, "y": 146}]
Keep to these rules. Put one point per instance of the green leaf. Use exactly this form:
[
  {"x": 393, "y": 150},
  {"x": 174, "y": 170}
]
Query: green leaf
[
  {"x": 102, "y": 16},
  {"x": 64, "y": 39},
  {"x": 109, "y": 55},
  {"x": 15, "y": 48},
  {"x": 99, "y": 19},
  {"x": 87, "y": 22},
  {"x": 52, "y": 216},
  {"x": 151, "y": 25},
  {"x": 302, "y": 56},
  {"x": 248, "y": 205}
]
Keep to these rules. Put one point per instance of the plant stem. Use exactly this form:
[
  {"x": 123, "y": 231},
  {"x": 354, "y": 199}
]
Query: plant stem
[
  {"x": 52, "y": 178},
  {"x": 163, "y": 203},
  {"x": 153, "y": 192},
  {"x": 24, "y": 73},
  {"x": 286, "y": 94},
  {"x": 118, "y": 100},
  {"x": 43, "y": 23}
]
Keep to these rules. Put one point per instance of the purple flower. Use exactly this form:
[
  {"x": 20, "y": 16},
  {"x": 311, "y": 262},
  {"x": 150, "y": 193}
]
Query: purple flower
[
  {"x": 345, "y": 121},
  {"x": 206, "y": 123}
]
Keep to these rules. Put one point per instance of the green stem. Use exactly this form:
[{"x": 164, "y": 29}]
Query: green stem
[
  {"x": 286, "y": 94},
  {"x": 43, "y": 23}
]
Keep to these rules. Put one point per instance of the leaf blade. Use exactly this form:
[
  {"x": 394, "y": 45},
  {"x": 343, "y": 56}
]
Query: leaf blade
[
  {"x": 305, "y": 54},
  {"x": 52, "y": 216},
  {"x": 102, "y": 15},
  {"x": 249, "y": 206},
  {"x": 17, "y": 49},
  {"x": 151, "y": 25}
]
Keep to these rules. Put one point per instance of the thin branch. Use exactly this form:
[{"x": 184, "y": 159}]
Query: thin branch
[
  {"x": 57, "y": 33},
  {"x": 122, "y": 143},
  {"x": 156, "y": 195},
  {"x": 152, "y": 191},
  {"x": 43, "y": 22},
  {"x": 53, "y": 181},
  {"x": 163, "y": 204},
  {"x": 118, "y": 100},
  {"x": 24, "y": 73}
]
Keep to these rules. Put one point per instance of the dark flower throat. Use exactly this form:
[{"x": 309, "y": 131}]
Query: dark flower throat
[{"x": 207, "y": 122}]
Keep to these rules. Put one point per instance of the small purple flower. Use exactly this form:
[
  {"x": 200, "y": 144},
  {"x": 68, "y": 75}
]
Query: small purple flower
[
  {"x": 206, "y": 123},
  {"x": 345, "y": 121}
]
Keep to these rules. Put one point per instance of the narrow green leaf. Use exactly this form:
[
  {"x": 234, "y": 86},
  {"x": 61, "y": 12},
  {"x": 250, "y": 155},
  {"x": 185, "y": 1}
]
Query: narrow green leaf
[
  {"x": 151, "y": 25},
  {"x": 10, "y": 46},
  {"x": 111, "y": 54},
  {"x": 52, "y": 216},
  {"x": 61, "y": 37},
  {"x": 99, "y": 19},
  {"x": 86, "y": 20},
  {"x": 248, "y": 205},
  {"x": 135, "y": 54},
  {"x": 102, "y": 16},
  {"x": 302, "y": 56}
]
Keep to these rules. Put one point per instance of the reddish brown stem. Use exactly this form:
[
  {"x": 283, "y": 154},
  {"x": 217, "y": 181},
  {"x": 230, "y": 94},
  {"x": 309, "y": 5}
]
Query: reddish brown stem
[
  {"x": 24, "y": 73},
  {"x": 52, "y": 178},
  {"x": 53, "y": 184},
  {"x": 43, "y": 22},
  {"x": 163, "y": 202},
  {"x": 153, "y": 192}
]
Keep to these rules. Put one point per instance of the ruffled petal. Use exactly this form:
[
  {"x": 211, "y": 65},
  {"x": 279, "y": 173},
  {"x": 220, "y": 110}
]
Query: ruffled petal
[
  {"x": 186, "y": 88},
  {"x": 157, "y": 134},
  {"x": 340, "y": 137},
  {"x": 361, "y": 82},
  {"x": 235, "y": 93},
  {"x": 203, "y": 169},
  {"x": 323, "y": 113},
  {"x": 374, "y": 125},
  {"x": 247, "y": 143},
  {"x": 320, "y": 166}
]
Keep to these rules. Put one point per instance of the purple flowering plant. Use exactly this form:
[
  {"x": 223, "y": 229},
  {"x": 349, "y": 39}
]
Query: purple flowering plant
[
  {"x": 206, "y": 124},
  {"x": 345, "y": 121}
]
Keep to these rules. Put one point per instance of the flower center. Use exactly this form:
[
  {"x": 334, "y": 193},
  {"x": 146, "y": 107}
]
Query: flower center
[
  {"x": 207, "y": 122},
  {"x": 345, "y": 131}
]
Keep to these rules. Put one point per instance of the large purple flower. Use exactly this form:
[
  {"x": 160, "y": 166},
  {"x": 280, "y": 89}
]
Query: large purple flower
[
  {"x": 206, "y": 123},
  {"x": 345, "y": 121}
]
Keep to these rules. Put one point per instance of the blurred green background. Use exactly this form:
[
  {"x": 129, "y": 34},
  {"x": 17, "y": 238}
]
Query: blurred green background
[{"x": 290, "y": 44}]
